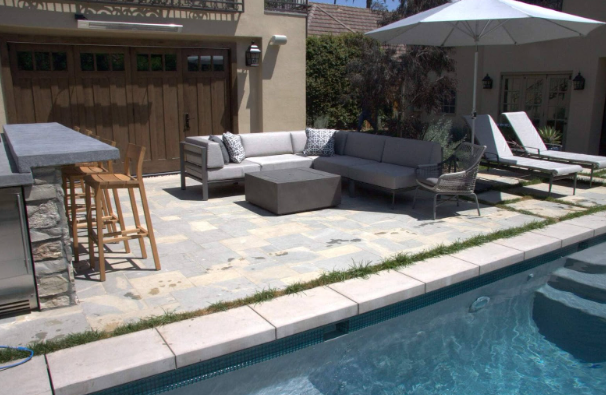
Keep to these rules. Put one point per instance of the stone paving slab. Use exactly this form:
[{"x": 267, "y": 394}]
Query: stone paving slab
[
  {"x": 496, "y": 197},
  {"x": 108, "y": 363},
  {"x": 30, "y": 378},
  {"x": 306, "y": 310},
  {"x": 545, "y": 208},
  {"x": 210, "y": 336}
]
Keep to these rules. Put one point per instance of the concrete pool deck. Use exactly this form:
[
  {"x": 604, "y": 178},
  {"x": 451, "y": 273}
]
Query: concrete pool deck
[{"x": 350, "y": 298}]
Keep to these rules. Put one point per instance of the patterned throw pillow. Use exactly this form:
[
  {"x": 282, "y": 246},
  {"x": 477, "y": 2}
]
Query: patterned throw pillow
[
  {"x": 319, "y": 142},
  {"x": 234, "y": 147}
]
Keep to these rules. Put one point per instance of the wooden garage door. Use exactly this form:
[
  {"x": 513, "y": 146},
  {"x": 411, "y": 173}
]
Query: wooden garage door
[{"x": 149, "y": 96}]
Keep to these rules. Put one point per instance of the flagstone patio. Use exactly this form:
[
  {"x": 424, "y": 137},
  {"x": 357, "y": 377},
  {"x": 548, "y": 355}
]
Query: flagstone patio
[{"x": 224, "y": 249}]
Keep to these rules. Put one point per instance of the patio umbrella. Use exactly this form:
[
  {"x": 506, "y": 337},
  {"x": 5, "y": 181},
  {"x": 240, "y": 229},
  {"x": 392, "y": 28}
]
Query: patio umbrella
[{"x": 483, "y": 22}]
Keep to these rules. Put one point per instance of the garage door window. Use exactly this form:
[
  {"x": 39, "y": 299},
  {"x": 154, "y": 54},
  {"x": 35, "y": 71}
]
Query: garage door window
[
  {"x": 41, "y": 61},
  {"x": 157, "y": 62},
  {"x": 101, "y": 62}
]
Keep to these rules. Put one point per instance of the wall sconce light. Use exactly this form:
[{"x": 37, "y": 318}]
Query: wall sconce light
[
  {"x": 487, "y": 82},
  {"x": 578, "y": 83},
  {"x": 278, "y": 40},
  {"x": 253, "y": 54}
]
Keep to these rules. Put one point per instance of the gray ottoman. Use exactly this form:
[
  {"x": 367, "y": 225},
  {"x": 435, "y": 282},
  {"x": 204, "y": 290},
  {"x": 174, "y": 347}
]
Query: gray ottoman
[{"x": 293, "y": 190}]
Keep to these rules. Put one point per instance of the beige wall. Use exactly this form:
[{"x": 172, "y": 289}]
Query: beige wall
[
  {"x": 587, "y": 55},
  {"x": 270, "y": 97}
]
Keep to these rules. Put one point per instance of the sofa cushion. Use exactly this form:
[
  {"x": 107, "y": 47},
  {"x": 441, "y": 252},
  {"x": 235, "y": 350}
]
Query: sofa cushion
[
  {"x": 411, "y": 153},
  {"x": 384, "y": 175},
  {"x": 365, "y": 146},
  {"x": 281, "y": 162},
  {"x": 320, "y": 142},
  {"x": 214, "y": 157},
  {"x": 234, "y": 147},
  {"x": 233, "y": 171},
  {"x": 219, "y": 140},
  {"x": 265, "y": 144},
  {"x": 340, "y": 139},
  {"x": 338, "y": 164},
  {"x": 298, "y": 140}
]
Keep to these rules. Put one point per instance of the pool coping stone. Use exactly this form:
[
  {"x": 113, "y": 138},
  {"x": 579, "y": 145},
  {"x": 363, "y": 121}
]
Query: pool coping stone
[
  {"x": 312, "y": 308},
  {"x": 379, "y": 290},
  {"x": 441, "y": 272},
  {"x": 210, "y": 336},
  {"x": 490, "y": 256},
  {"x": 20, "y": 379},
  {"x": 108, "y": 363}
]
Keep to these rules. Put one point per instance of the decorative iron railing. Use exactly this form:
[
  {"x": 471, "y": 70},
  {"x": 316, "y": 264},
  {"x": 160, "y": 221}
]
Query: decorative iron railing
[
  {"x": 297, "y": 6},
  {"x": 553, "y": 4},
  {"x": 203, "y": 5}
]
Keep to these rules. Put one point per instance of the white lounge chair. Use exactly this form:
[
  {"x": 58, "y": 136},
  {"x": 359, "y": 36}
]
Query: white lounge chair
[
  {"x": 533, "y": 145},
  {"x": 499, "y": 155}
]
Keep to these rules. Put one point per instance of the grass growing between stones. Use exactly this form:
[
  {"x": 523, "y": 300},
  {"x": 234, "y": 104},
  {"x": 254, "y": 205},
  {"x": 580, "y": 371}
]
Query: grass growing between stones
[{"x": 357, "y": 270}]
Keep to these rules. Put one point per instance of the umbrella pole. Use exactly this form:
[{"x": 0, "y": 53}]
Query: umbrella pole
[{"x": 475, "y": 88}]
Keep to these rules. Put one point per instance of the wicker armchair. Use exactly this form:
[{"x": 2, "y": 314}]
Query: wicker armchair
[{"x": 456, "y": 182}]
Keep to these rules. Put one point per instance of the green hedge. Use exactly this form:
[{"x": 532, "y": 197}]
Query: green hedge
[{"x": 327, "y": 84}]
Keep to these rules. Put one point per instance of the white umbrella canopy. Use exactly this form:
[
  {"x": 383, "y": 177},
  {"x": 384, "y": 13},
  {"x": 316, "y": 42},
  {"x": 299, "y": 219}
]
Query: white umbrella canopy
[{"x": 462, "y": 23}]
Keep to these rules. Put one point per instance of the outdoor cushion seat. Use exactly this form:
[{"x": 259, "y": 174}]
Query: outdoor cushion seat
[
  {"x": 557, "y": 169},
  {"x": 233, "y": 171},
  {"x": 339, "y": 164},
  {"x": 384, "y": 175},
  {"x": 281, "y": 162}
]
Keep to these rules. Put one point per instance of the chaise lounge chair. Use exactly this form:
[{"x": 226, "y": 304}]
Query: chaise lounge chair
[
  {"x": 499, "y": 155},
  {"x": 533, "y": 145}
]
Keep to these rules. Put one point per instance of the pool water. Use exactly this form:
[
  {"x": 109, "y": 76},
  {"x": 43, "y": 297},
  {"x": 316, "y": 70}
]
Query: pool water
[{"x": 440, "y": 349}]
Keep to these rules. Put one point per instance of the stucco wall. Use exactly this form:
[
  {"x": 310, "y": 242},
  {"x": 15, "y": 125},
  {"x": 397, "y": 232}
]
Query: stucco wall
[
  {"x": 587, "y": 55},
  {"x": 270, "y": 97}
]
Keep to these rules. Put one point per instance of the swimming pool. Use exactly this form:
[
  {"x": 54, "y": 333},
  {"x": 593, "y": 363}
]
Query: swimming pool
[{"x": 444, "y": 348}]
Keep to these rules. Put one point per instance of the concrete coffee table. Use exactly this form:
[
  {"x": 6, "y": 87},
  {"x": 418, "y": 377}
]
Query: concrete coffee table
[{"x": 293, "y": 190}]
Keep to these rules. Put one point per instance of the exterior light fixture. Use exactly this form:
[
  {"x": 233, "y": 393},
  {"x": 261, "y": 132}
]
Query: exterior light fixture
[
  {"x": 487, "y": 82},
  {"x": 253, "y": 54},
  {"x": 578, "y": 83}
]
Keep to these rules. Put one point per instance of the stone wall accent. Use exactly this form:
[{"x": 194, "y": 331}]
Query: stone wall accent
[{"x": 50, "y": 239}]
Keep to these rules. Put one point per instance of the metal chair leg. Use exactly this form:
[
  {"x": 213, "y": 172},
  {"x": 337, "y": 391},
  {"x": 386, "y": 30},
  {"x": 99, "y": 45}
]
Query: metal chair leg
[
  {"x": 591, "y": 178},
  {"x": 435, "y": 203},
  {"x": 414, "y": 199},
  {"x": 550, "y": 185},
  {"x": 574, "y": 185},
  {"x": 393, "y": 200},
  {"x": 477, "y": 204}
]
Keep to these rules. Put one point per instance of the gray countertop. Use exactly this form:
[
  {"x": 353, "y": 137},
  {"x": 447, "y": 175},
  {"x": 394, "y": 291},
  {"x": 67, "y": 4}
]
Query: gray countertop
[
  {"x": 9, "y": 176},
  {"x": 34, "y": 145}
]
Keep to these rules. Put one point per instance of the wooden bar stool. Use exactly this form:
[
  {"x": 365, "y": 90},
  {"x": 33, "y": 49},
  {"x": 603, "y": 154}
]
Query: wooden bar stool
[
  {"x": 95, "y": 184},
  {"x": 73, "y": 176}
]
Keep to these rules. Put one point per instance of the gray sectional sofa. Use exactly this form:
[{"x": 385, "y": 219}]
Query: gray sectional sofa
[{"x": 383, "y": 162}]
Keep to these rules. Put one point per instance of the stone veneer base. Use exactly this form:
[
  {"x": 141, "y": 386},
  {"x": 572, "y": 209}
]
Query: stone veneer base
[{"x": 50, "y": 239}]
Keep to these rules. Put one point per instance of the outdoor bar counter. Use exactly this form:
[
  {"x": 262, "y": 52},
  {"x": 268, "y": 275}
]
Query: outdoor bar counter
[{"x": 31, "y": 157}]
